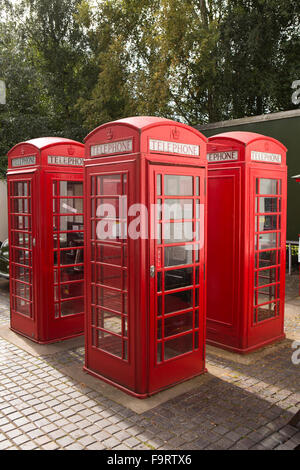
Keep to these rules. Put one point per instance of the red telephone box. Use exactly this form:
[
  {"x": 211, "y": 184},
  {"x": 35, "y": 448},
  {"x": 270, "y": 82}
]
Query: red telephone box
[
  {"x": 45, "y": 204},
  {"x": 145, "y": 284},
  {"x": 247, "y": 185}
]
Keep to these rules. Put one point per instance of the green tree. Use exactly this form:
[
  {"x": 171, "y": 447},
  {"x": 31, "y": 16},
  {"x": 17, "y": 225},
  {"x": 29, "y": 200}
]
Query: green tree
[{"x": 260, "y": 44}]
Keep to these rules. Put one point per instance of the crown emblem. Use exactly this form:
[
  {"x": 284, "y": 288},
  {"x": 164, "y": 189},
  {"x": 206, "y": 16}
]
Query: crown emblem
[
  {"x": 22, "y": 151},
  {"x": 109, "y": 133},
  {"x": 267, "y": 146},
  {"x": 175, "y": 133},
  {"x": 71, "y": 150}
]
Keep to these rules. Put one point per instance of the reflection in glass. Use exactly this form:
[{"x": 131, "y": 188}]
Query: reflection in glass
[
  {"x": 177, "y": 346},
  {"x": 178, "y": 255},
  {"x": 267, "y": 204},
  {"x": 109, "y": 254},
  {"x": 22, "y": 257},
  {"x": 109, "y": 276},
  {"x": 267, "y": 258},
  {"x": 22, "y": 306},
  {"x": 178, "y": 324},
  {"x": 71, "y": 290},
  {"x": 266, "y": 276},
  {"x": 24, "y": 274},
  {"x": 159, "y": 283},
  {"x": 177, "y": 278},
  {"x": 71, "y": 206},
  {"x": 267, "y": 311},
  {"x": 109, "y": 298},
  {"x": 110, "y": 343},
  {"x": 73, "y": 256},
  {"x": 72, "y": 307},
  {"x": 23, "y": 290},
  {"x": 268, "y": 222},
  {"x": 70, "y": 188},
  {"x": 266, "y": 240},
  {"x": 110, "y": 322},
  {"x": 178, "y": 301}
]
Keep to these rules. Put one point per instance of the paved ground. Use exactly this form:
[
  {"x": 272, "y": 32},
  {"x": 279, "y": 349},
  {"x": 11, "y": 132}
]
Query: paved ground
[{"x": 238, "y": 406}]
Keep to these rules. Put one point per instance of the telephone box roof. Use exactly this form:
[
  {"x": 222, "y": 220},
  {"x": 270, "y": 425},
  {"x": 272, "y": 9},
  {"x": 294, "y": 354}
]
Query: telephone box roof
[
  {"x": 245, "y": 138},
  {"x": 44, "y": 142},
  {"x": 144, "y": 122}
]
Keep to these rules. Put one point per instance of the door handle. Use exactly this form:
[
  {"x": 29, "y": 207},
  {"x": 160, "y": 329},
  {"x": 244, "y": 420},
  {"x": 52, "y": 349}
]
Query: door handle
[
  {"x": 33, "y": 242},
  {"x": 152, "y": 271}
]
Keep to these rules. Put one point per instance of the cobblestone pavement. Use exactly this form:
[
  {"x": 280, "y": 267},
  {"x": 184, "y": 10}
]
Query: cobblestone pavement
[{"x": 244, "y": 407}]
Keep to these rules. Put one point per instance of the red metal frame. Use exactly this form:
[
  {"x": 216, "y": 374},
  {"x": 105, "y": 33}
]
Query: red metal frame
[
  {"x": 42, "y": 165},
  {"x": 133, "y": 366},
  {"x": 246, "y": 241}
]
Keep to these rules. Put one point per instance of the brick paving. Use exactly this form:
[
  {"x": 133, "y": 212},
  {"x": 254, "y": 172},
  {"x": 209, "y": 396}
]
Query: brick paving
[{"x": 246, "y": 406}]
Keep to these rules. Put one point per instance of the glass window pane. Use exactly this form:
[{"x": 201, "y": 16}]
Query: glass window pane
[
  {"x": 197, "y": 186},
  {"x": 268, "y": 222},
  {"x": 267, "y": 258},
  {"x": 178, "y": 301},
  {"x": 71, "y": 290},
  {"x": 178, "y": 232},
  {"x": 178, "y": 324},
  {"x": 109, "y": 185},
  {"x": 22, "y": 306},
  {"x": 267, "y": 311},
  {"x": 70, "y": 223},
  {"x": 109, "y": 254},
  {"x": 71, "y": 256},
  {"x": 159, "y": 353},
  {"x": 111, "y": 208},
  {"x": 23, "y": 290},
  {"x": 109, "y": 343},
  {"x": 70, "y": 188},
  {"x": 110, "y": 299},
  {"x": 177, "y": 346},
  {"x": 159, "y": 210},
  {"x": 72, "y": 307},
  {"x": 267, "y": 204},
  {"x": 159, "y": 283},
  {"x": 178, "y": 209},
  {"x": 178, "y": 255},
  {"x": 109, "y": 276},
  {"x": 177, "y": 278},
  {"x": 21, "y": 257},
  {"x": 109, "y": 321},
  {"x": 23, "y": 274},
  {"x": 268, "y": 186},
  {"x": 71, "y": 274},
  {"x": 158, "y": 185},
  {"x": 266, "y": 276},
  {"x": 178, "y": 185},
  {"x": 265, "y": 294},
  {"x": 266, "y": 240},
  {"x": 71, "y": 206}
]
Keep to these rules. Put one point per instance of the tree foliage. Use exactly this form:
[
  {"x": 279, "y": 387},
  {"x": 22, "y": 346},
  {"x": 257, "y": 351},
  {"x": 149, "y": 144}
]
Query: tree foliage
[{"x": 70, "y": 65}]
